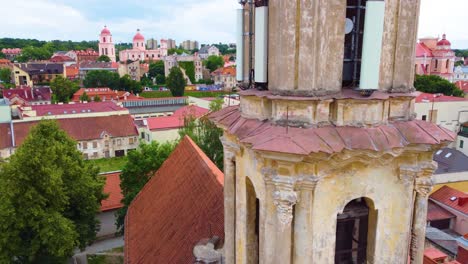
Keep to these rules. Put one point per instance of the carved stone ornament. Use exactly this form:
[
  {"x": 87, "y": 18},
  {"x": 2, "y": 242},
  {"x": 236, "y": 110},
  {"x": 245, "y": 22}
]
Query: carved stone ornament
[
  {"x": 284, "y": 201},
  {"x": 407, "y": 174},
  {"x": 424, "y": 186}
]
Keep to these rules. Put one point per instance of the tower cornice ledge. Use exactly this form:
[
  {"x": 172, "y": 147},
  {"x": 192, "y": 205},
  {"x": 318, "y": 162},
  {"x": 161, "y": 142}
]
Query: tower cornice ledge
[{"x": 266, "y": 136}]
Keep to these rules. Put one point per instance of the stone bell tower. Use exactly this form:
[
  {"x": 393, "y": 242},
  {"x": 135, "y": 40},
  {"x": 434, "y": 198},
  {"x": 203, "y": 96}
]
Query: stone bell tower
[{"x": 324, "y": 162}]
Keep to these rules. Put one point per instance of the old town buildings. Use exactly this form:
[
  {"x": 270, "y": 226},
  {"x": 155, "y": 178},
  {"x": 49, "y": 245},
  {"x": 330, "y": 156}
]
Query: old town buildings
[
  {"x": 139, "y": 51},
  {"x": 435, "y": 56}
]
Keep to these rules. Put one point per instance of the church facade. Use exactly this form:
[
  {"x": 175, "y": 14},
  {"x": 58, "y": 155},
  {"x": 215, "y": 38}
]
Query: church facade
[
  {"x": 139, "y": 51},
  {"x": 324, "y": 161}
]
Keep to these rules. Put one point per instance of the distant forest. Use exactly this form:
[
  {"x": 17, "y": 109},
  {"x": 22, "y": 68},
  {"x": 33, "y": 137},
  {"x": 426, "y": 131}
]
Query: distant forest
[{"x": 461, "y": 53}]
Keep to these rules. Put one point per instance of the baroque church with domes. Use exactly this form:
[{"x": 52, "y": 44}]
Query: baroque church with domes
[{"x": 139, "y": 51}]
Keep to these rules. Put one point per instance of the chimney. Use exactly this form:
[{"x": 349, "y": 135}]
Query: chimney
[{"x": 462, "y": 200}]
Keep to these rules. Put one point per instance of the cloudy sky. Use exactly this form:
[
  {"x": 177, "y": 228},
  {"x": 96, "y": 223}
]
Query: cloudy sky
[{"x": 205, "y": 20}]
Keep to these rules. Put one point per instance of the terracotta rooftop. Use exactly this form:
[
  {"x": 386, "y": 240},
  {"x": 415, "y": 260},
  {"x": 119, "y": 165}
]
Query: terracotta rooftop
[
  {"x": 452, "y": 198},
  {"x": 29, "y": 94},
  {"x": 80, "y": 129},
  {"x": 434, "y": 254},
  {"x": 77, "y": 108},
  {"x": 429, "y": 98},
  {"x": 435, "y": 212},
  {"x": 231, "y": 71},
  {"x": 179, "y": 206},
  {"x": 423, "y": 50},
  {"x": 266, "y": 136},
  {"x": 177, "y": 119},
  {"x": 112, "y": 188}
]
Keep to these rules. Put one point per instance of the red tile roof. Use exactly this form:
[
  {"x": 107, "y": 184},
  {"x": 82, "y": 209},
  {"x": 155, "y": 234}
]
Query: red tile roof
[
  {"x": 462, "y": 85},
  {"x": 29, "y": 94},
  {"x": 445, "y": 195},
  {"x": 177, "y": 119},
  {"x": 179, "y": 206},
  {"x": 80, "y": 129},
  {"x": 231, "y": 71},
  {"x": 434, "y": 254},
  {"x": 422, "y": 49},
  {"x": 112, "y": 188},
  {"x": 428, "y": 98},
  {"x": 435, "y": 212},
  {"x": 266, "y": 136},
  {"x": 72, "y": 71},
  {"x": 77, "y": 108}
]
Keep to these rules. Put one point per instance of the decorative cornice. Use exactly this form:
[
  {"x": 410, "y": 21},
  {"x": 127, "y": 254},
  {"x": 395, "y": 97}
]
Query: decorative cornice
[
  {"x": 230, "y": 148},
  {"x": 407, "y": 173}
]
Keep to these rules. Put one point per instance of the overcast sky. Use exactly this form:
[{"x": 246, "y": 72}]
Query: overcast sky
[{"x": 209, "y": 21}]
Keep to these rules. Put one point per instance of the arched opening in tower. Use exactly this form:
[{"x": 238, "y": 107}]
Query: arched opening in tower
[
  {"x": 253, "y": 223},
  {"x": 355, "y": 233}
]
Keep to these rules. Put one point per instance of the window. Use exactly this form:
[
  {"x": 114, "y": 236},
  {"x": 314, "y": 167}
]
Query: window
[
  {"x": 95, "y": 145},
  {"x": 424, "y": 117},
  {"x": 106, "y": 143},
  {"x": 143, "y": 135},
  {"x": 355, "y": 17},
  {"x": 130, "y": 141},
  {"x": 461, "y": 143},
  {"x": 104, "y": 39},
  {"x": 436, "y": 64},
  {"x": 448, "y": 155},
  {"x": 85, "y": 145},
  {"x": 438, "y": 152},
  {"x": 119, "y": 142},
  {"x": 95, "y": 154},
  {"x": 85, "y": 156}
]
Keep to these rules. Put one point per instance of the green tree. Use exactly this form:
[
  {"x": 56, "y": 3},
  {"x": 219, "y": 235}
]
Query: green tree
[
  {"x": 205, "y": 134},
  {"x": 34, "y": 53},
  {"x": 176, "y": 82},
  {"x": 216, "y": 105},
  {"x": 63, "y": 89},
  {"x": 2, "y": 56},
  {"x": 5, "y": 75},
  {"x": 102, "y": 78},
  {"x": 142, "y": 164},
  {"x": 127, "y": 84},
  {"x": 213, "y": 62},
  {"x": 157, "y": 72},
  {"x": 103, "y": 58},
  {"x": 49, "y": 198},
  {"x": 435, "y": 84},
  {"x": 84, "y": 97},
  {"x": 189, "y": 68},
  {"x": 97, "y": 98}
]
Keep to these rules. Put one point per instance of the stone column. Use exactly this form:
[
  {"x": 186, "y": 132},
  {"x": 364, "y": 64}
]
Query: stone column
[
  {"x": 229, "y": 202},
  {"x": 423, "y": 186},
  {"x": 303, "y": 222},
  {"x": 267, "y": 254}
]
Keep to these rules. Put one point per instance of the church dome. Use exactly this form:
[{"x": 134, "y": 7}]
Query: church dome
[
  {"x": 444, "y": 41},
  {"x": 138, "y": 36},
  {"x": 105, "y": 30}
]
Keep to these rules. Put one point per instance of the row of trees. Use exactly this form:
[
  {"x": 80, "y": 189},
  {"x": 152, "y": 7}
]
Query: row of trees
[
  {"x": 103, "y": 78},
  {"x": 435, "y": 84}
]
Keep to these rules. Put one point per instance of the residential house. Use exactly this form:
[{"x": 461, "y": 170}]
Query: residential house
[
  {"x": 87, "y": 66},
  {"x": 447, "y": 111},
  {"x": 188, "y": 208},
  {"x": 25, "y": 95},
  {"x": 71, "y": 54},
  {"x": 71, "y": 110},
  {"x": 97, "y": 137},
  {"x": 461, "y": 73},
  {"x": 110, "y": 205},
  {"x": 226, "y": 77},
  {"x": 67, "y": 61},
  {"x": 166, "y": 128},
  {"x": 11, "y": 53},
  {"x": 455, "y": 206},
  {"x": 104, "y": 93},
  {"x": 208, "y": 50},
  {"x": 131, "y": 68},
  {"x": 172, "y": 61},
  {"x": 435, "y": 56},
  {"x": 86, "y": 55},
  {"x": 37, "y": 73},
  {"x": 72, "y": 72},
  {"x": 452, "y": 169}
]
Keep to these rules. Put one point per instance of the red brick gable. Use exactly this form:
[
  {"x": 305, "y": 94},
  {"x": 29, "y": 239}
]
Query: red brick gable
[{"x": 179, "y": 206}]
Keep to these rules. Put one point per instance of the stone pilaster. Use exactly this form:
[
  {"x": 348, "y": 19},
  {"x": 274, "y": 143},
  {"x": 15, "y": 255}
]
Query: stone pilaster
[
  {"x": 303, "y": 221},
  {"x": 279, "y": 235},
  {"x": 423, "y": 186},
  {"x": 229, "y": 201}
]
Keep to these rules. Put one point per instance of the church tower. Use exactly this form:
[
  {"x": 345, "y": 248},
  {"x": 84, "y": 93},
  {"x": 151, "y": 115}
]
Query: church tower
[
  {"x": 323, "y": 159},
  {"x": 106, "y": 46},
  {"x": 139, "y": 42}
]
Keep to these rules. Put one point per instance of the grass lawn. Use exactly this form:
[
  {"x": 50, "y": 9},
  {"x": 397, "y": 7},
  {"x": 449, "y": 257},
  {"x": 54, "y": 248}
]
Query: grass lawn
[
  {"x": 198, "y": 94},
  {"x": 112, "y": 164}
]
